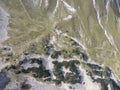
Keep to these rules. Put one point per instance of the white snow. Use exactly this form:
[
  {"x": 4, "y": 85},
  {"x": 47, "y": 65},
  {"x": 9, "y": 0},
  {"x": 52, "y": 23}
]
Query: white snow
[
  {"x": 89, "y": 85},
  {"x": 109, "y": 88},
  {"x": 46, "y": 3},
  {"x": 93, "y": 62},
  {"x": 113, "y": 77},
  {"x": 36, "y": 3},
  {"x": 65, "y": 86},
  {"x": 37, "y": 85},
  {"x": 53, "y": 39},
  {"x": 3, "y": 24},
  {"x": 67, "y": 18},
  {"x": 60, "y": 59},
  {"x": 3, "y": 64},
  {"x": 68, "y": 7},
  {"x": 108, "y": 36},
  {"x": 40, "y": 3},
  {"x": 118, "y": 5},
  {"x": 56, "y": 7},
  {"x": 58, "y": 31},
  {"x": 15, "y": 84},
  {"x": 49, "y": 65},
  {"x": 28, "y": 65},
  {"x": 107, "y": 7}
]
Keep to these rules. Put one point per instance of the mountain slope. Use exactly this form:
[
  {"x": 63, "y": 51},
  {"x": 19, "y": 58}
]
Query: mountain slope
[{"x": 85, "y": 33}]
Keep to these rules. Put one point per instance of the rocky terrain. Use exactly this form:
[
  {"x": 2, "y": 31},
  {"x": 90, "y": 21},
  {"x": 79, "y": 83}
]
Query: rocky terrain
[{"x": 59, "y": 44}]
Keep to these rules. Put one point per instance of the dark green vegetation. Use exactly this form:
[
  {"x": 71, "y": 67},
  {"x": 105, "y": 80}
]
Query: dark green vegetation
[
  {"x": 72, "y": 77},
  {"x": 25, "y": 86},
  {"x": 37, "y": 72},
  {"x": 41, "y": 72}
]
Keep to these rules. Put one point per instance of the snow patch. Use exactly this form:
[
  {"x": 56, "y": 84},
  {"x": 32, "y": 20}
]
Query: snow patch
[
  {"x": 87, "y": 81},
  {"x": 37, "y": 85},
  {"x": 3, "y": 64},
  {"x": 118, "y": 5},
  {"x": 108, "y": 36},
  {"x": 49, "y": 65},
  {"x": 69, "y": 8},
  {"x": 107, "y": 7},
  {"x": 46, "y": 3},
  {"x": 58, "y": 31},
  {"x": 69, "y": 17},
  {"x": 28, "y": 65},
  {"x": 56, "y": 7},
  {"x": 53, "y": 39},
  {"x": 36, "y": 2},
  {"x": 3, "y": 24}
]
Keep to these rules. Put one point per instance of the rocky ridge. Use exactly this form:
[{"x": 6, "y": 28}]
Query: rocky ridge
[{"x": 60, "y": 44}]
